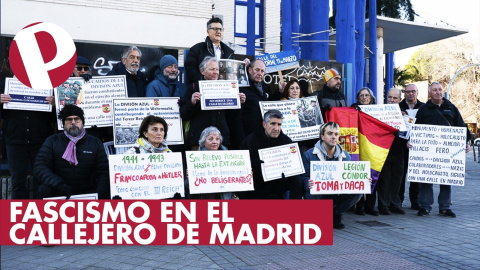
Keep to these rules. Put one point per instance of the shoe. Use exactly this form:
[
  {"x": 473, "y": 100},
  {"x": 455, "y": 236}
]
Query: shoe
[
  {"x": 397, "y": 210},
  {"x": 384, "y": 211},
  {"x": 371, "y": 211},
  {"x": 359, "y": 211},
  {"x": 415, "y": 206},
  {"x": 447, "y": 213},
  {"x": 337, "y": 222},
  {"x": 423, "y": 213}
]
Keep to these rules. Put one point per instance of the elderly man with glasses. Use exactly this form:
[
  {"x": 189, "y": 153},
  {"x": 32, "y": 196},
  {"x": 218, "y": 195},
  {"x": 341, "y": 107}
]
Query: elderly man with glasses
[{"x": 82, "y": 68}]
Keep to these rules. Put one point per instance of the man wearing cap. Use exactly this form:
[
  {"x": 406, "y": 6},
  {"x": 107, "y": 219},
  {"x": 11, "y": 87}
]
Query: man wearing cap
[
  {"x": 165, "y": 83},
  {"x": 82, "y": 68},
  {"x": 332, "y": 94},
  {"x": 130, "y": 67},
  {"x": 72, "y": 162}
]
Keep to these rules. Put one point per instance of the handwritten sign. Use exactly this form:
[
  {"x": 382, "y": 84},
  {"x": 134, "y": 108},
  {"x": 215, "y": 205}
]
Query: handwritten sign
[
  {"x": 146, "y": 176},
  {"x": 219, "y": 95},
  {"x": 389, "y": 114},
  {"x": 26, "y": 98},
  {"x": 233, "y": 70},
  {"x": 219, "y": 171},
  {"x": 438, "y": 155},
  {"x": 301, "y": 117},
  {"x": 130, "y": 112},
  {"x": 279, "y": 61},
  {"x": 337, "y": 177},
  {"x": 95, "y": 97},
  {"x": 285, "y": 159}
]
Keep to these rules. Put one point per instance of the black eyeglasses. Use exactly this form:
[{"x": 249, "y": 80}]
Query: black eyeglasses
[
  {"x": 80, "y": 68},
  {"x": 216, "y": 29},
  {"x": 70, "y": 120}
]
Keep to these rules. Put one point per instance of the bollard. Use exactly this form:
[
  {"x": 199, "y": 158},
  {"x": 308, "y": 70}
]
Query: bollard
[{"x": 474, "y": 157}]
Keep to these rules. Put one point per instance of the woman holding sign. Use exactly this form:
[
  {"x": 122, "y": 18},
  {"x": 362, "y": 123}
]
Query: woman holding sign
[
  {"x": 151, "y": 136},
  {"x": 365, "y": 97}
]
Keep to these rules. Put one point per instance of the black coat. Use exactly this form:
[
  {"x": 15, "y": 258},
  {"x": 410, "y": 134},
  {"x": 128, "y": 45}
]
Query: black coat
[
  {"x": 251, "y": 114},
  {"x": 197, "y": 53},
  {"x": 404, "y": 106},
  {"x": 89, "y": 176},
  {"x": 136, "y": 84}
]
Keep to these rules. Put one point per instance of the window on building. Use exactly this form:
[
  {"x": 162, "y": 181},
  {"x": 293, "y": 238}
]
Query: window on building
[{"x": 241, "y": 22}]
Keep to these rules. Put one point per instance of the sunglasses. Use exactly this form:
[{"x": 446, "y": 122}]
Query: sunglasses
[{"x": 84, "y": 68}]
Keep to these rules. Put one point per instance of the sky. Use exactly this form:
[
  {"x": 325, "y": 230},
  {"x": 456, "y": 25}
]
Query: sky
[{"x": 463, "y": 14}]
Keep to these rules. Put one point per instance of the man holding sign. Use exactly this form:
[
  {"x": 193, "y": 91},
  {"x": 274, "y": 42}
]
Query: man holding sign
[
  {"x": 440, "y": 112},
  {"x": 328, "y": 149}
]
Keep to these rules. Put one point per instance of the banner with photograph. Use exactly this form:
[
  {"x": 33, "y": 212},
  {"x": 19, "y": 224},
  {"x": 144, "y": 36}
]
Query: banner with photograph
[
  {"x": 130, "y": 112},
  {"x": 26, "y": 98},
  {"x": 95, "y": 97},
  {"x": 340, "y": 177},
  {"x": 233, "y": 70},
  {"x": 409, "y": 121},
  {"x": 146, "y": 176},
  {"x": 389, "y": 114},
  {"x": 279, "y": 61},
  {"x": 219, "y": 95},
  {"x": 285, "y": 159},
  {"x": 219, "y": 171},
  {"x": 437, "y": 155},
  {"x": 301, "y": 117}
]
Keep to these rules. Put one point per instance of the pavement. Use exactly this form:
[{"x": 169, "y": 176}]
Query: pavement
[{"x": 368, "y": 242}]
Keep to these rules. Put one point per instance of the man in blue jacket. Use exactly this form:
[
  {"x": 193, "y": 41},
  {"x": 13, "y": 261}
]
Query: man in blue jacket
[{"x": 165, "y": 83}]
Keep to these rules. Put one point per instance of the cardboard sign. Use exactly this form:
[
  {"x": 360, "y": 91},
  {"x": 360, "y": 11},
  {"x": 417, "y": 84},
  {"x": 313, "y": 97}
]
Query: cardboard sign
[
  {"x": 279, "y": 61},
  {"x": 219, "y": 95},
  {"x": 95, "y": 97},
  {"x": 389, "y": 114},
  {"x": 233, "y": 70},
  {"x": 26, "y": 98},
  {"x": 130, "y": 112},
  {"x": 285, "y": 159},
  {"x": 438, "y": 155},
  {"x": 219, "y": 171},
  {"x": 301, "y": 117},
  {"x": 146, "y": 176},
  {"x": 340, "y": 177}
]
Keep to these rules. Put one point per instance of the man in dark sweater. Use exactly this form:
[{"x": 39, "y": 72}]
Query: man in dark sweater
[{"x": 331, "y": 94}]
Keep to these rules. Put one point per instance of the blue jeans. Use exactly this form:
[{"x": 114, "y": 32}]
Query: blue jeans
[
  {"x": 425, "y": 196},
  {"x": 19, "y": 156}
]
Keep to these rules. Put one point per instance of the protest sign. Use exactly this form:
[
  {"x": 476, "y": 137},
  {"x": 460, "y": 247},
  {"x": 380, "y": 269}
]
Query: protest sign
[
  {"x": 279, "y": 61},
  {"x": 95, "y": 97},
  {"x": 26, "y": 98},
  {"x": 412, "y": 113},
  {"x": 233, "y": 70},
  {"x": 437, "y": 155},
  {"x": 389, "y": 114},
  {"x": 301, "y": 117},
  {"x": 409, "y": 121},
  {"x": 340, "y": 177},
  {"x": 219, "y": 95},
  {"x": 146, "y": 176},
  {"x": 285, "y": 159},
  {"x": 219, "y": 171},
  {"x": 130, "y": 112}
]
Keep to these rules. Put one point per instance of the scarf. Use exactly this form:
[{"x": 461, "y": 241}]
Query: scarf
[
  {"x": 70, "y": 153},
  {"x": 149, "y": 148}
]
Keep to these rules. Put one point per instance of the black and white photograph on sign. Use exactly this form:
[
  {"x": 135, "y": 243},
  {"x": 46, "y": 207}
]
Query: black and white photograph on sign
[
  {"x": 130, "y": 112},
  {"x": 301, "y": 117},
  {"x": 95, "y": 97},
  {"x": 233, "y": 70},
  {"x": 25, "y": 98}
]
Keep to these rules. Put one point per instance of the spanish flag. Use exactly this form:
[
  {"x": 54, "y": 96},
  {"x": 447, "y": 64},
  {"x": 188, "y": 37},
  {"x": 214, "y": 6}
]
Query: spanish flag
[{"x": 374, "y": 137}]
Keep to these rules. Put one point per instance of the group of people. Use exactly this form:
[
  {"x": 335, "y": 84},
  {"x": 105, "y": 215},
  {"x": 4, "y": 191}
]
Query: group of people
[{"x": 75, "y": 162}]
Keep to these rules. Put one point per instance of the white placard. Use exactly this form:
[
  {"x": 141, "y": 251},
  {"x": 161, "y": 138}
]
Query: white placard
[
  {"x": 95, "y": 97},
  {"x": 130, "y": 112},
  {"x": 409, "y": 121},
  {"x": 389, "y": 114},
  {"x": 219, "y": 171},
  {"x": 285, "y": 159},
  {"x": 437, "y": 155},
  {"x": 26, "y": 98},
  {"x": 219, "y": 95},
  {"x": 412, "y": 112},
  {"x": 146, "y": 176},
  {"x": 301, "y": 117},
  {"x": 89, "y": 196},
  {"x": 340, "y": 177}
]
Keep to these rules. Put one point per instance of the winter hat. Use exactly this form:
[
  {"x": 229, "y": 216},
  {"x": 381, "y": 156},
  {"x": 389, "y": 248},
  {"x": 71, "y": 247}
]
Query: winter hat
[
  {"x": 69, "y": 110},
  {"x": 330, "y": 74},
  {"x": 83, "y": 61},
  {"x": 166, "y": 61}
]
